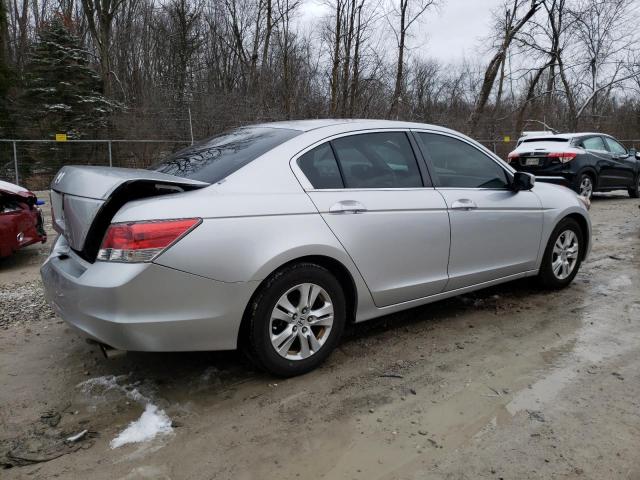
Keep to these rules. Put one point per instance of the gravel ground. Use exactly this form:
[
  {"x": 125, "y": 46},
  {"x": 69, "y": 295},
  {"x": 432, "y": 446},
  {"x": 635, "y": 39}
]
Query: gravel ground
[
  {"x": 23, "y": 303},
  {"x": 510, "y": 382}
]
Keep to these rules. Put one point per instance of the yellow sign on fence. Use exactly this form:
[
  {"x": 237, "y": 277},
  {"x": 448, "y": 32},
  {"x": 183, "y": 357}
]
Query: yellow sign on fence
[
  {"x": 507, "y": 139},
  {"x": 61, "y": 137}
]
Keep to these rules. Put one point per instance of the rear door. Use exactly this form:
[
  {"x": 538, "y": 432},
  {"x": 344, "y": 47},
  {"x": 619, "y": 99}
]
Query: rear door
[
  {"x": 624, "y": 165},
  {"x": 380, "y": 204},
  {"x": 495, "y": 232}
]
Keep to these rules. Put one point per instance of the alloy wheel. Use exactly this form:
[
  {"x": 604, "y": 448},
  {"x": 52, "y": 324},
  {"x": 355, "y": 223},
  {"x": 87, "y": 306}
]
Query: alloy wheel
[
  {"x": 586, "y": 186},
  {"x": 565, "y": 254},
  {"x": 301, "y": 321}
]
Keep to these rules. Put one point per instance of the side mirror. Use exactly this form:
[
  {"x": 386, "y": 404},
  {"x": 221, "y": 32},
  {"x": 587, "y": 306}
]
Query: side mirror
[{"x": 523, "y": 181}]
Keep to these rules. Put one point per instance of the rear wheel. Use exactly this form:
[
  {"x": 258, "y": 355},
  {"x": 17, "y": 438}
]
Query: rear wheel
[
  {"x": 586, "y": 185},
  {"x": 296, "y": 320},
  {"x": 634, "y": 192},
  {"x": 563, "y": 255}
]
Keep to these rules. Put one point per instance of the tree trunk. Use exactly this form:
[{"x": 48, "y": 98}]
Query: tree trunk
[
  {"x": 356, "y": 64},
  {"x": 335, "y": 67},
  {"x": 527, "y": 100},
  {"x": 494, "y": 65},
  {"x": 397, "y": 92}
]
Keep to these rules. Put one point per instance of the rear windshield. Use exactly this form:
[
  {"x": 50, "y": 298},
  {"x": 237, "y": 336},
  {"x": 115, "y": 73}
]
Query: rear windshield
[
  {"x": 545, "y": 139},
  {"x": 214, "y": 159}
]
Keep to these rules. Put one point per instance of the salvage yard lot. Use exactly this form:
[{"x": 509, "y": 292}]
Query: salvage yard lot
[{"x": 510, "y": 382}]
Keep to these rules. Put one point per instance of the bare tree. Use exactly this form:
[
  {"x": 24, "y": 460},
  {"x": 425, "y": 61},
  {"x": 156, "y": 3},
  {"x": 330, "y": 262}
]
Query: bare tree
[
  {"x": 408, "y": 13},
  {"x": 510, "y": 26},
  {"x": 100, "y": 15}
]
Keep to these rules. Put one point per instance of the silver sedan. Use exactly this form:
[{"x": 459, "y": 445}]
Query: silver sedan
[{"x": 274, "y": 236}]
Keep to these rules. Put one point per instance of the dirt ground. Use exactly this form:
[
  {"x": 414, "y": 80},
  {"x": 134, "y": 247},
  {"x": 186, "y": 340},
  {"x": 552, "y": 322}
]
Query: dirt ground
[{"x": 510, "y": 382}]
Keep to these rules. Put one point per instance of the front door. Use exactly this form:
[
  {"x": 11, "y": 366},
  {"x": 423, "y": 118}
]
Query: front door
[
  {"x": 624, "y": 165},
  {"x": 603, "y": 159},
  {"x": 495, "y": 232},
  {"x": 372, "y": 194}
]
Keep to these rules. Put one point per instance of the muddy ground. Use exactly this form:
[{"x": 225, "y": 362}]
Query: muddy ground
[{"x": 510, "y": 382}]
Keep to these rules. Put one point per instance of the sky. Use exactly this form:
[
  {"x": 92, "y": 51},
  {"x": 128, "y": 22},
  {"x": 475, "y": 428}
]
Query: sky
[{"x": 449, "y": 33}]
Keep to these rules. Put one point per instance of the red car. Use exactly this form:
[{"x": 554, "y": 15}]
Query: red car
[{"x": 20, "y": 219}]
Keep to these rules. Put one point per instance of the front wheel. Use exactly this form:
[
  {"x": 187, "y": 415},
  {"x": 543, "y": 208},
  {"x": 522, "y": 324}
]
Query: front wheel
[
  {"x": 634, "y": 192},
  {"x": 563, "y": 255},
  {"x": 296, "y": 320}
]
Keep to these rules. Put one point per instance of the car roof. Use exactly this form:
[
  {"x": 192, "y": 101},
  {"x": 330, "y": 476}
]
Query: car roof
[
  {"x": 348, "y": 123},
  {"x": 563, "y": 136}
]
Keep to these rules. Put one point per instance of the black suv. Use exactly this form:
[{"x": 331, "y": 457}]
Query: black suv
[{"x": 588, "y": 162}]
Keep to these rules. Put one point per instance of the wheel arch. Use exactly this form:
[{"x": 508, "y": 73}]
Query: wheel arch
[
  {"x": 584, "y": 228},
  {"x": 336, "y": 267},
  {"x": 591, "y": 171}
]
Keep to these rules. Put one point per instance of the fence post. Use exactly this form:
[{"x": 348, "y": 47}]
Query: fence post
[
  {"x": 110, "y": 160},
  {"x": 15, "y": 163}
]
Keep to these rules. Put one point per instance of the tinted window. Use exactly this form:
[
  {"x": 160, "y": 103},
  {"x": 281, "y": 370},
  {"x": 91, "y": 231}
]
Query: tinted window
[
  {"x": 214, "y": 159},
  {"x": 615, "y": 147},
  {"x": 594, "y": 143},
  {"x": 460, "y": 165},
  {"x": 320, "y": 167},
  {"x": 377, "y": 160}
]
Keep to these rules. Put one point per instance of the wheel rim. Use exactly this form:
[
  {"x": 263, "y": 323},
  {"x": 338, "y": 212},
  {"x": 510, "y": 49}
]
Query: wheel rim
[
  {"x": 586, "y": 186},
  {"x": 301, "y": 321},
  {"x": 565, "y": 254}
]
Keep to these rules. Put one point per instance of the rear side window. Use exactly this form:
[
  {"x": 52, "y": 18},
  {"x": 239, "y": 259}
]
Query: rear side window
[
  {"x": 594, "y": 143},
  {"x": 320, "y": 167},
  {"x": 615, "y": 147},
  {"x": 214, "y": 159},
  {"x": 377, "y": 160},
  {"x": 460, "y": 165}
]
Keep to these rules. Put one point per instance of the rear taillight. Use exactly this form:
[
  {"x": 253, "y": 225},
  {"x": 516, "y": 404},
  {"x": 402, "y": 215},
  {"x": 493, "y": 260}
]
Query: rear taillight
[
  {"x": 562, "y": 157},
  {"x": 512, "y": 156},
  {"x": 142, "y": 241}
]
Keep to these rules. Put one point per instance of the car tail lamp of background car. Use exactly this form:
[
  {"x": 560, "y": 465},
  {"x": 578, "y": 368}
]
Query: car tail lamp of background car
[
  {"x": 562, "y": 157},
  {"x": 556, "y": 157},
  {"x": 135, "y": 242}
]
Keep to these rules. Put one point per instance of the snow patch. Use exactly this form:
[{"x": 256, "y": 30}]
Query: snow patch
[{"x": 152, "y": 422}]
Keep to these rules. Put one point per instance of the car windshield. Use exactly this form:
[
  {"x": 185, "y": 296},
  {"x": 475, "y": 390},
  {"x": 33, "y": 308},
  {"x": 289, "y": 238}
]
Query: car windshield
[{"x": 214, "y": 159}]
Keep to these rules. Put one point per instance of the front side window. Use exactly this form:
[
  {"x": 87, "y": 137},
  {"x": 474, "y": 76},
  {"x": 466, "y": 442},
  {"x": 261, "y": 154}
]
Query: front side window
[
  {"x": 377, "y": 160},
  {"x": 594, "y": 143},
  {"x": 615, "y": 147},
  {"x": 460, "y": 165},
  {"x": 214, "y": 159}
]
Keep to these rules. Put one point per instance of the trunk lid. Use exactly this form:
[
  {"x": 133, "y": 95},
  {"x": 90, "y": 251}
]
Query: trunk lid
[{"x": 84, "y": 199}]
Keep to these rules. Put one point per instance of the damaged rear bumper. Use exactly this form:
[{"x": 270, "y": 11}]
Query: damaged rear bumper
[{"x": 143, "y": 306}]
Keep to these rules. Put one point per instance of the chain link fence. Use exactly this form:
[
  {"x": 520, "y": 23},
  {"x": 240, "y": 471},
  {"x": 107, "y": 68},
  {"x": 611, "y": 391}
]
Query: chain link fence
[{"x": 34, "y": 163}]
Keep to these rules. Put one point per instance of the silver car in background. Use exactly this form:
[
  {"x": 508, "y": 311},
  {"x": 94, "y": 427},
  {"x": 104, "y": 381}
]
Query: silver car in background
[{"x": 274, "y": 236}]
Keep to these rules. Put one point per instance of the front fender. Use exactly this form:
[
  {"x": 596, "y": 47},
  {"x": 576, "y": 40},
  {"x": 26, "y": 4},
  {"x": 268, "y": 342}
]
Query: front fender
[{"x": 558, "y": 203}]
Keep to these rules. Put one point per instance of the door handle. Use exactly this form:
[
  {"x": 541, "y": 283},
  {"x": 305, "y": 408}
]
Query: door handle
[
  {"x": 464, "y": 204},
  {"x": 348, "y": 206}
]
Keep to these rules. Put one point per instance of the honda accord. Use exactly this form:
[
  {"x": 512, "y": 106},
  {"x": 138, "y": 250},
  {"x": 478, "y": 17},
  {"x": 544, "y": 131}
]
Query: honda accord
[{"x": 272, "y": 237}]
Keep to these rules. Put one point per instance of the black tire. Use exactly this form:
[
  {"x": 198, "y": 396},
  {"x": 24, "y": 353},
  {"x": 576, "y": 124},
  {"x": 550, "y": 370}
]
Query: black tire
[
  {"x": 634, "y": 192},
  {"x": 258, "y": 343},
  {"x": 546, "y": 277},
  {"x": 586, "y": 178}
]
